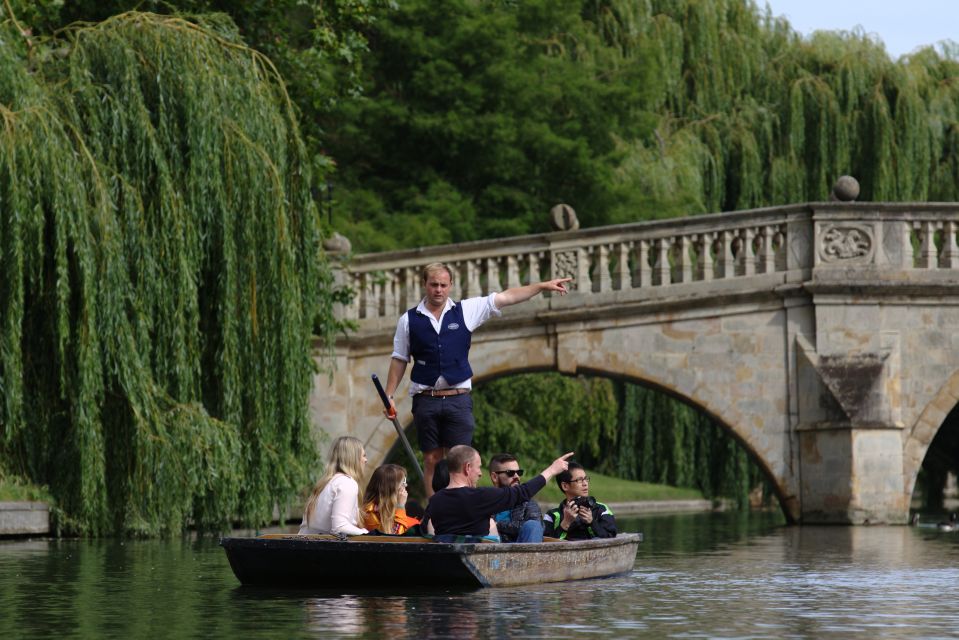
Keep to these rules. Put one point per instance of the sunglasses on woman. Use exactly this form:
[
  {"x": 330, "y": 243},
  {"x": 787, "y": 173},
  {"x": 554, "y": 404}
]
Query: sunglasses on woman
[{"x": 511, "y": 472}]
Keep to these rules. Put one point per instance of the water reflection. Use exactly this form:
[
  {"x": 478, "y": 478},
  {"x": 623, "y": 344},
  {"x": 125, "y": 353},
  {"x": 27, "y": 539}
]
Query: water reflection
[{"x": 709, "y": 575}]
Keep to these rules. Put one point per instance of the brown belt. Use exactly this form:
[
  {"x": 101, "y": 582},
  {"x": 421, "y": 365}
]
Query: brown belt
[{"x": 442, "y": 393}]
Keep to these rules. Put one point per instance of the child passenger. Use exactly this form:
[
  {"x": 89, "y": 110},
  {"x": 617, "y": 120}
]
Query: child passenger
[
  {"x": 334, "y": 505},
  {"x": 384, "y": 503}
]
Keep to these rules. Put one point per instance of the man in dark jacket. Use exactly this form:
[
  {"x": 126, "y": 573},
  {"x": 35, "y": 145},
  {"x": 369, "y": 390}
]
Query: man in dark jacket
[
  {"x": 524, "y": 522},
  {"x": 579, "y": 516}
]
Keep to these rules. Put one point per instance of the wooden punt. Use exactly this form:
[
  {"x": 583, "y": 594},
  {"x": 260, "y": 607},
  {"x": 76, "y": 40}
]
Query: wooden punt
[{"x": 325, "y": 561}]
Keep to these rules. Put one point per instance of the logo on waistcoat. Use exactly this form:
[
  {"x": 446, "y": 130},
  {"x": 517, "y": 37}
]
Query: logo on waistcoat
[{"x": 453, "y": 326}]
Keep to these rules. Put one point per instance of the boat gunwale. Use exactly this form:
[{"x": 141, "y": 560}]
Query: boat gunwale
[{"x": 421, "y": 545}]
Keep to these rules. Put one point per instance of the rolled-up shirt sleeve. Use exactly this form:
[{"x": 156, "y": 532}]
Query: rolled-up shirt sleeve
[
  {"x": 476, "y": 311},
  {"x": 401, "y": 339}
]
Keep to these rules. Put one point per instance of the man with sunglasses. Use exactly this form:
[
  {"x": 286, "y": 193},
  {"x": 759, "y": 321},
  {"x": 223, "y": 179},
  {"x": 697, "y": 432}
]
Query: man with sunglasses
[
  {"x": 579, "y": 516},
  {"x": 524, "y": 522}
]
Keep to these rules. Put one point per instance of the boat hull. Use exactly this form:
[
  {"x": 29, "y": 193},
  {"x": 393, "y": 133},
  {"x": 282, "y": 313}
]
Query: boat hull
[{"x": 324, "y": 561}]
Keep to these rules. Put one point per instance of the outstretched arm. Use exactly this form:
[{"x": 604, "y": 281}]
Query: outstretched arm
[{"x": 522, "y": 294}]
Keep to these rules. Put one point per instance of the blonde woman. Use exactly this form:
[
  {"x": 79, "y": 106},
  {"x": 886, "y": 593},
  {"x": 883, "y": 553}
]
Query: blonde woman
[
  {"x": 334, "y": 505},
  {"x": 384, "y": 503}
]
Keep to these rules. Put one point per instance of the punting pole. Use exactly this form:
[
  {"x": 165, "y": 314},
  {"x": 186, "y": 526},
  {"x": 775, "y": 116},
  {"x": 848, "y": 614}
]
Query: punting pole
[{"x": 391, "y": 413}]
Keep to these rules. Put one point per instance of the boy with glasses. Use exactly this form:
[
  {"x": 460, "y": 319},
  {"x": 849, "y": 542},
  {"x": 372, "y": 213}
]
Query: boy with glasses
[
  {"x": 579, "y": 516},
  {"x": 524, "y": 522}
]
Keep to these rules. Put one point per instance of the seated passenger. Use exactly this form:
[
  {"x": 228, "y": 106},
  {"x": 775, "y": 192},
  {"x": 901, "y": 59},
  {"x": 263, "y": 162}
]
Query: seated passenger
[
  {"x": 334, "y": 505},
  {"x": 384, "y": 502},
  {"x": 579, "y": 516},
  {"x": 463, "y": 509},
  {"x": 441, "y": 478},
  {"x": 524, "y": 522}
]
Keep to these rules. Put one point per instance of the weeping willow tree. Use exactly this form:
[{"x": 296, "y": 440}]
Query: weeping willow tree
[{"x": 161, "y": 275}]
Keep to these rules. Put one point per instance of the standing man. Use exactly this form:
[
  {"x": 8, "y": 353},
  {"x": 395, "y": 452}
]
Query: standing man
[
  {"x": 436, "y": 335},
  {"x": 524, "y": 522}
]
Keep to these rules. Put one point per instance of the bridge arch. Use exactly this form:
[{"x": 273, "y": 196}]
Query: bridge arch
[
  {"x": 919, "y": 438},
  {"x": 704, "y": 404}
]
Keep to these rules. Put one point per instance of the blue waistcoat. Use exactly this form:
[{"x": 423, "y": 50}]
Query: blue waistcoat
[{"x": 440, "y": 354}]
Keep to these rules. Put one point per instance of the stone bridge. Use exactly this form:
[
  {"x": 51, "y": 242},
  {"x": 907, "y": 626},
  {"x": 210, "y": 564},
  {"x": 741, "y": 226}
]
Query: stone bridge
[{"x": 823, "y": 336}]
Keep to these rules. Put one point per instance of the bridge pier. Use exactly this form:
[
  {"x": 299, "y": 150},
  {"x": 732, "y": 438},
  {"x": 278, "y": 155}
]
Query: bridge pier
[{"x": 852, "y": 476}]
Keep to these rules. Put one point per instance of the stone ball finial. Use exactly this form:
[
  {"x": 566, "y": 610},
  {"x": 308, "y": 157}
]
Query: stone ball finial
[
  {"x": 337, "y": 244},
  {"x": 563, "y": 218},
  {"x": 846, "y": 189}
]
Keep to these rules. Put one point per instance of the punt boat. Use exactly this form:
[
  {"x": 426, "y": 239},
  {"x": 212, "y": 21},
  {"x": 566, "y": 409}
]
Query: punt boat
[{"x": 324, "y": 561}]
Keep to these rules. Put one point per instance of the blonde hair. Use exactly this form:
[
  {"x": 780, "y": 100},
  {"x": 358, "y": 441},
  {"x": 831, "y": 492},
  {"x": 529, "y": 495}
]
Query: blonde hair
[
  {"x": 346, "y": 457},
  {"x": 434, "y": 267},
  {"x": 383, "y": 493}
]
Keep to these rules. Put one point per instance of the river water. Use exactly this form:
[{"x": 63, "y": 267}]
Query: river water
[{"x": 725, "y": 575}]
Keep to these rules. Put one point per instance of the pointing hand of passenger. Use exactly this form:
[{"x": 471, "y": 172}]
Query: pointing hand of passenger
[{"x": 560, "y": 464}]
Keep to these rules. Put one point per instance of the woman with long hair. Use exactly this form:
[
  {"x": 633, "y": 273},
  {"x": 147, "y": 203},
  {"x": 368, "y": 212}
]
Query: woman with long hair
[
  {"x": 384, "y": 503},
  {"x": 334, "y": 505}
]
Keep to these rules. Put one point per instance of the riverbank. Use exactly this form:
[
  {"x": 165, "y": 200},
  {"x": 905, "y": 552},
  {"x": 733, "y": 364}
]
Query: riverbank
[
  {"x": 24, "y": 518},
  {"x": 32, "y": 518}
]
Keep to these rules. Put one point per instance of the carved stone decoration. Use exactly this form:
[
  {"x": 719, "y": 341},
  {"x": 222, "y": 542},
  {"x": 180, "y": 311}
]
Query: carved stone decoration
[
  {"x": 337, "y": 244},
  {"x": 565, "y": 266},
  {"x": 839, "y": 243},
  {"x": 563, "y": 218}
]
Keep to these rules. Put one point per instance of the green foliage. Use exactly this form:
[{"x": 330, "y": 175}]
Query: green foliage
[
  {"x": 541, "y": 416},
  {"x": 17, "y": 488},
  {"x": 162, "y": 273},
  {"x": 505, "y": 105}
]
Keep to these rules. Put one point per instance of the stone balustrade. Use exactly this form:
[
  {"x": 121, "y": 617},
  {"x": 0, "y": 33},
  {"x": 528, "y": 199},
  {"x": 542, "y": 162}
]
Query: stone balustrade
[{"x": 661, "y": 253}]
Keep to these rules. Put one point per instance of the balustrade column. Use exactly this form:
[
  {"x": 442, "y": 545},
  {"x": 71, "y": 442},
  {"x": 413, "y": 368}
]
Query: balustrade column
[
  {"x": 949, "y": 257},
  {"x": 533, "y": 274},
  {"x": 411, "y": 288},
  {"x": 725, "y": 261},
  {"x": 492, "y": 276},
  {"x": 390, "y": 293},
  {"x": 643, "y": 274},
  {"x": 472, "y": 282},
  {"x": 766, "y": 260},
  {"x": 927, "y": 249},
  {"x": 601, "y": 279},
  {"x": 622, "y": 279},
  {"x": 748, "y": 252},
  {"x": 704, "y": 267},
  {"x": 684, "y": 268},
  {"x": 661, "y": 269},
  {"x": 512, "y": 272}
]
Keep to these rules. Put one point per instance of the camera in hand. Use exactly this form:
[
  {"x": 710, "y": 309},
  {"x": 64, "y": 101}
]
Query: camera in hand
[{"x": 584, "y": 501}]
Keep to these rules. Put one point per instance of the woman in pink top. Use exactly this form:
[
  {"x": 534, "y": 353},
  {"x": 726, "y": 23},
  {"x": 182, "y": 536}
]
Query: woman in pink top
[{"x": 334, "y": 505}]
